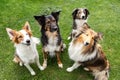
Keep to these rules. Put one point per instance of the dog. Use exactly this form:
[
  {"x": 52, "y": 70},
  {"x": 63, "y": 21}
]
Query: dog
[
  {"x": 85, "y": 50},
  {"x": 25, "y": 45},
  {"x": 80, "y": 16},
  {"x": 51, "y": 39}
]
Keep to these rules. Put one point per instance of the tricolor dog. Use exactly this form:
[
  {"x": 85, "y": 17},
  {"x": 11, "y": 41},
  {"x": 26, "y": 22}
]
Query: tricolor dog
[
  {"x": 51, "y": 40},
  {"x": 85, "y": 51},
  {"x": 25, "y": 45},
  {"x": 80, "y": 16}
]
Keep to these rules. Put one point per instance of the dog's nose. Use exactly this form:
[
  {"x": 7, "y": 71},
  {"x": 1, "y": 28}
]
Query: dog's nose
[
  {"x": 28, "y": 41},
  {"x": 55, "y": 29},
  {"x": 83, "y": 17},
  {"x": 86, "y": 43}
]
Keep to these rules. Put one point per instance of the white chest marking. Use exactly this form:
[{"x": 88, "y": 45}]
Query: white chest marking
[
  {"x": 76, "y": 55},
  {"x": 52, "y": 46}
]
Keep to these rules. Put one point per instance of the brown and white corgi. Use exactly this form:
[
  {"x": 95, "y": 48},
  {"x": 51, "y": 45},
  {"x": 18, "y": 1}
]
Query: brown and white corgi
[
  {"x": 25, "y": 45},
  {"x": 85, "y": 50}
]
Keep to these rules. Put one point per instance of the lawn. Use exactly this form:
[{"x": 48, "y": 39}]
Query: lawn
[{"x": 104, "y": 17}]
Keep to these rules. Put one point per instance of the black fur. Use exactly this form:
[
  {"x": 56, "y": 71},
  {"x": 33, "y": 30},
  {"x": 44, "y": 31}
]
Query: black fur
[
  {"x": 86, "y": 13},
  {"x": 74, "y": 13}
]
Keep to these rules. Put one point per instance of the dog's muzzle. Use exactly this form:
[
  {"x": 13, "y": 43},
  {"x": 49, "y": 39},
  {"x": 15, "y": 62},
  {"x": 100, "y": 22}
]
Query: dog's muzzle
[
  {"x": 83, "y": 17},
  {"x": 54, "y": 29}
]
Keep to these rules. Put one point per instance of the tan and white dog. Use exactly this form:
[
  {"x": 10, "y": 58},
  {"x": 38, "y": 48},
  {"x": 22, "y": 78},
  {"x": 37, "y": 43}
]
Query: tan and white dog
[
  {"x": 85, "y": 51},
  {"x": 25, "y": 45}
]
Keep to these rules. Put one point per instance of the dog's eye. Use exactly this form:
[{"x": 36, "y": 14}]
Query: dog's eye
[
  {"x": 53, "y": 20},
  {"x": 20, "y": 37},
  {"x": 48, "y": 22}
]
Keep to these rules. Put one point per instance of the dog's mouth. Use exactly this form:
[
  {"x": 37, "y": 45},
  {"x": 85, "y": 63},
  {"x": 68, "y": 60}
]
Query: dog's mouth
[{"x": 27, "y": 44}]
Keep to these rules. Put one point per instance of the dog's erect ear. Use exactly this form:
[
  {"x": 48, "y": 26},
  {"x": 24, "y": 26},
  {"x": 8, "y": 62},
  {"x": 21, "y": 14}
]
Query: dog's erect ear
[
  {"x": 11, "y": 33},
  {"x": 40, "y": 19},
  {"x": 99, "y": 36},
  {"x": 85, "y": 26},
  {"x": 56, "y": 15},
  {"x": 74, "y": 13},
  {"x": 27, "y": 26},
  {"x": 87, "y": 12}
]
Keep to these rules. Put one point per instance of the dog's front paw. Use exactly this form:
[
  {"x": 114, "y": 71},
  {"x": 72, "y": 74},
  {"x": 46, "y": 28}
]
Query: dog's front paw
[
  {"x": 41, "y": 68},
  {"x": 86, "y": 69},
  {"x": 44, "y": 65},
  {"x": 32, "y": 73},
  {"x": 69, "y": 69},
  {"x": 60, "y": 65},
  {"x": 21, "y": 64},
  {"x": 69, "y": 38}
]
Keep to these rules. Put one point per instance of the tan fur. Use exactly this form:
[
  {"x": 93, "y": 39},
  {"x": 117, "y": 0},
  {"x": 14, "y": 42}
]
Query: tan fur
[
  {"x": 17, "y": 59},
  {"x": 49, "y": 34},
  {"x": 18, "y": 37}
]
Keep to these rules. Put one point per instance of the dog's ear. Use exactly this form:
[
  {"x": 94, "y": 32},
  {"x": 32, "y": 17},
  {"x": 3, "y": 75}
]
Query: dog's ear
[
  {"x": 11, "y": 33},
  {"x": 40, "y": 19},
  {"x": 99, "y": 36},
  {"x": 86, "y": 11},
  {"x": 56, "y": 15},
  {"x": 85, "y": 26},
  {"x": 27, "y": 26},
  {"x": 74, "y": 13}
]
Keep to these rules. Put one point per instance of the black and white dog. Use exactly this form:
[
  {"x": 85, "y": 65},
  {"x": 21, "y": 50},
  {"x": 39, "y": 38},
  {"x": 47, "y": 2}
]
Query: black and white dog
[
  {"x": 51, "y": 38},
  {"x": 80, "y": 16}
]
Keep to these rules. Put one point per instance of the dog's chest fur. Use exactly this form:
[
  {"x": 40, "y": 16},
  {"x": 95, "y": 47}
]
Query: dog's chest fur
[
  {"x": 52, "y": 44},
  {"x": 77, "y": 26},
  {"x": 79, "y": 23},
  {"x": 75, "y": 53},
  {"x": 26, "y": 53}
]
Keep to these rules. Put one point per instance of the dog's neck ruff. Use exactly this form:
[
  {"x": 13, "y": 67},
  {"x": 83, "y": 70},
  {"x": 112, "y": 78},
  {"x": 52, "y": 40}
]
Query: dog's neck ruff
[{"x": 76, "y": 53}]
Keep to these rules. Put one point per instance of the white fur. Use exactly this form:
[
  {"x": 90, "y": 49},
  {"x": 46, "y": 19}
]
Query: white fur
[
  {"x": 74, "y": 66},
  {"x": 36, "y": 40},
  {"x": 80, "y": 23},
  {"x": 76, "y": 54}
]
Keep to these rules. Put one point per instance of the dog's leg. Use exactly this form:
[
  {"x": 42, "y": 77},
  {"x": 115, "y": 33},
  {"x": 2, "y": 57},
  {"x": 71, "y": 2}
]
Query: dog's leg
[
  {"x": 38, "y": 64},
  {"x": 74, "y": 66},
  {"x": 63, "y": 47},
  {"x": 58, "y": 59},
  {"x": 17, "y": 60},
  {"x": 45, "y": 60},
  {"x": 29, "y": 68}
]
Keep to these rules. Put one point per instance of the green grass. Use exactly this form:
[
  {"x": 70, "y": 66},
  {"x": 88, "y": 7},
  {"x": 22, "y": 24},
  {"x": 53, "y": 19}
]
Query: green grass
[{"x": 104, "y": 17}]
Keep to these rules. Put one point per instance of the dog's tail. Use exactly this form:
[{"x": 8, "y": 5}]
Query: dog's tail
[
  {"x": 36, "y": 40},
  {"x": 104, "y": 74}
]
